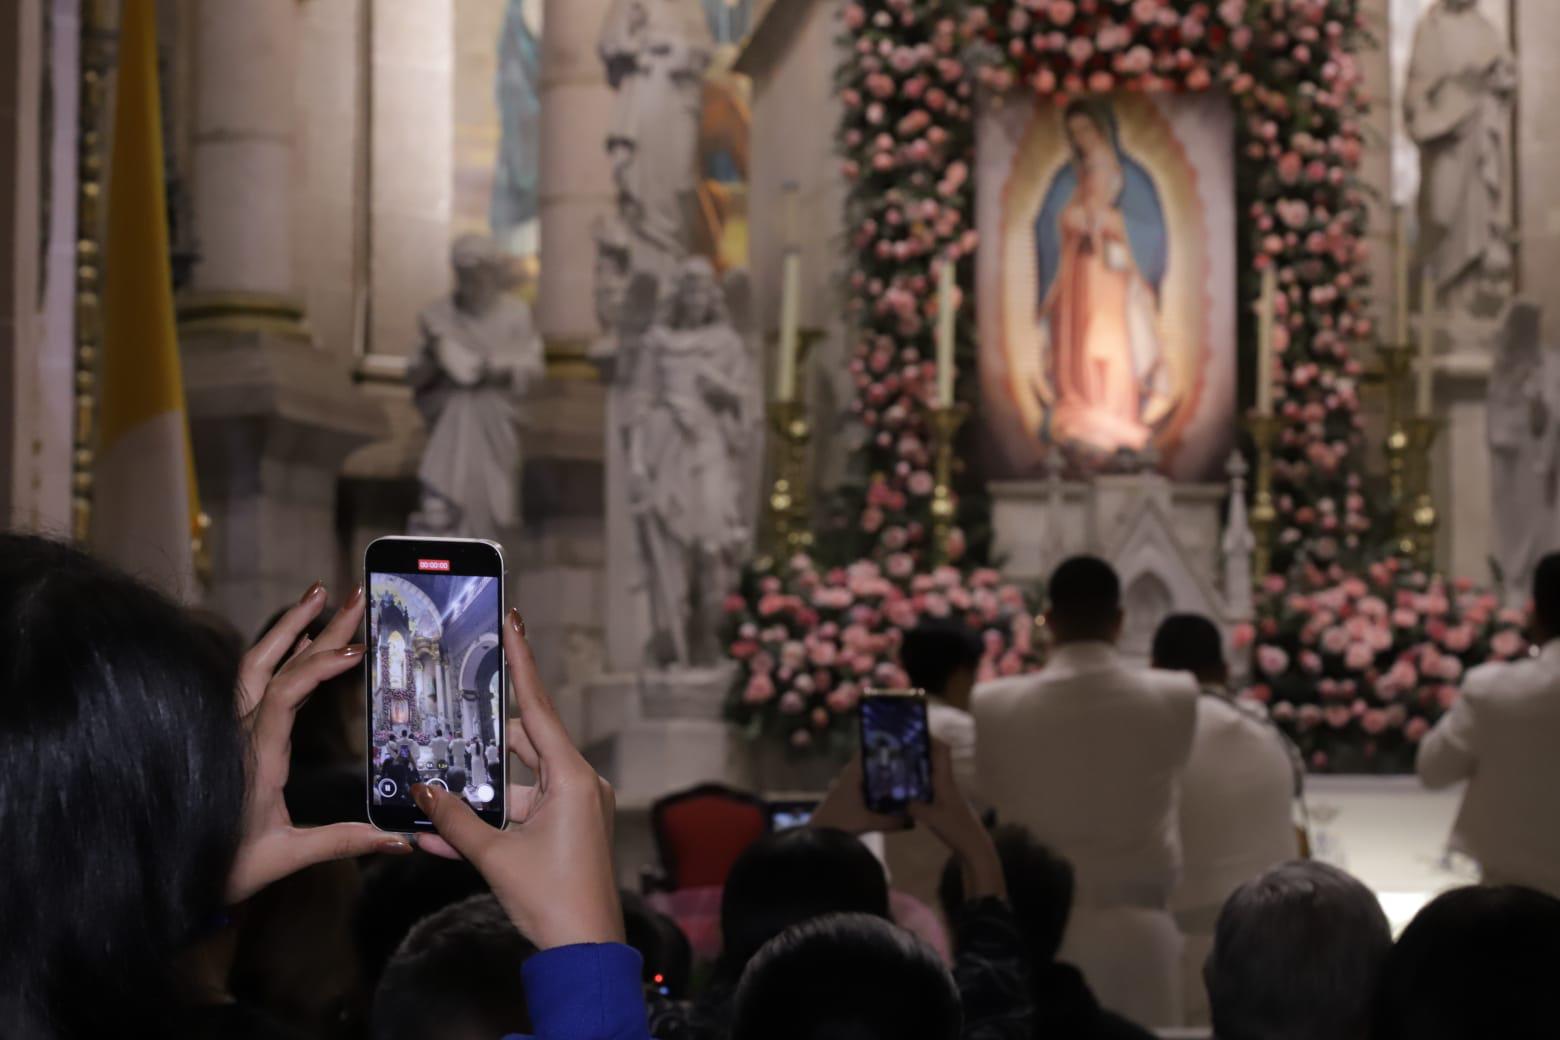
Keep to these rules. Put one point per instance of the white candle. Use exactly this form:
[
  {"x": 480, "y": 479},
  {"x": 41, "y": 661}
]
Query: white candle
[
  {"x": 790, "y": 323},
  {"x": 1424, "y": 399},
  {"x": 1265, "y": 315},
  {"x": 1400, "y": 255},
  {"x": 947, "y": 313}
]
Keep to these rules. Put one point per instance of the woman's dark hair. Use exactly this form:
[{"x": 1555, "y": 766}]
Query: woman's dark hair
[
  {"x": 1475, "y": 962},
  {"x": 846, "y": 977},
  {"x": 121, "y": 790},
  {"x": 793, "y": 876}
]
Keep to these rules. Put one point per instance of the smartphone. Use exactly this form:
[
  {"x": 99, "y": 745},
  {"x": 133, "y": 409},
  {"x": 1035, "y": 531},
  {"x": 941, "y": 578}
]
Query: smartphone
[
  {"x": 437, "y": 686},
  {"x": 788, "y": 815},
  {"x": 896, "y": 750}
]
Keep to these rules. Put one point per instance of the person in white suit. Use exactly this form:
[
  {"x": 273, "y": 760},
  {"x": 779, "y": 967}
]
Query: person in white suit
[
  {"x": 1501, "y": 737},
  {"x": 1237, "y": 796},
  {"x": 1088, "y": 755}
]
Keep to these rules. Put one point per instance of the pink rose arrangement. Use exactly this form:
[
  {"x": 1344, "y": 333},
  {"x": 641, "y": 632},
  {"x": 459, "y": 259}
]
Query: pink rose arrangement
[
  {"x": 907, "y": 88},
  {"x": 808, "y": 639},
  {"x": 1358, "y": 667}
]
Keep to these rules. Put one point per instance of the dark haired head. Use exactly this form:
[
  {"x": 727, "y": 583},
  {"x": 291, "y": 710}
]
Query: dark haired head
[
  {"x": 1475, "y": 962},
  {"x": 123, "y": 774},
  {"x": 941, "y": 657},
  {"x": 1296, "y": 956},
  {"x": 1040, "y": 890},
  {"x": 456, "y": 976},
  {"x": 397, "y": 893},
  {"x": 846, "y": 977},
  {"x": 1085, "y": 596},
  {"x": 1191, "y": 643},
  {"x": 793, "y": 876},
  {"x": 1546, "y": 598}
]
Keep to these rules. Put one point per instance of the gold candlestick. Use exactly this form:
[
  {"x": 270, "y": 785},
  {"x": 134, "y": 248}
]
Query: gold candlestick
[
  {"x": 788, "y": 516},
  {"x": 1423, "y": 519},
  {"x": 1264, "y": 513},
  {"x": 1397, "y": 360},
  {"x": 944, "y": 421}
]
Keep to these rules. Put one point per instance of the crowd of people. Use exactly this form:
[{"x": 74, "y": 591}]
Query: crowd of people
[{"x": 184, "y": 856}]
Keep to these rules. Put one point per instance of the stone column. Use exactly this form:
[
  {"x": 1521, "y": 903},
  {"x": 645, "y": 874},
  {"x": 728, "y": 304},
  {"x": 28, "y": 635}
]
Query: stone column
[
  {"x": 241, "y": 159},
  {"x": 271, "y": 417},
  {"x": 576, "y": 182},
  {"x": 1537, "y": 35}
]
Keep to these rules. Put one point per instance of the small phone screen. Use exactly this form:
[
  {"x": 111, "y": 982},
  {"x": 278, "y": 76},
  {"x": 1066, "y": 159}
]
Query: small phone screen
[
  {"x": 436, "y": 680},
  {"x": 784, "y": 816},
  {"x": 895, "y": 751}
]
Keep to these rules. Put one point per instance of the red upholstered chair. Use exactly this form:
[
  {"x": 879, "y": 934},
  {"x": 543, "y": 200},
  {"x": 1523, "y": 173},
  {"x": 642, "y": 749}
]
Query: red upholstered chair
[{"x": 700, "y": 832}]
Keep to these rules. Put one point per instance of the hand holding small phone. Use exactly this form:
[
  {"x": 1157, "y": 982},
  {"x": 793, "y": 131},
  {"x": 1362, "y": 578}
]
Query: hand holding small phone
[
  {"x": 551, "y": 869},
  {"x": 276, "y": 676}
]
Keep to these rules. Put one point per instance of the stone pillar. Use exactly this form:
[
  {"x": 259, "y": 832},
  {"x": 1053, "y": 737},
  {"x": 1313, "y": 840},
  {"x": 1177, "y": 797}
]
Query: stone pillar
[
  {"x": 1537, "y": 35},
  {"x": 241, "y": 158},
  {"x": 576, "y": 182},
  {"x": 271, "y": 417}
]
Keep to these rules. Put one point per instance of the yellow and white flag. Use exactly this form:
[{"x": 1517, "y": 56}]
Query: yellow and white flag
[{"x": 146, "y": 505}]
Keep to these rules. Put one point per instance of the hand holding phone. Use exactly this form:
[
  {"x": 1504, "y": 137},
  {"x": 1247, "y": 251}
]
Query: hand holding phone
[
  {"x": 552, "y": 868},
  {"x": 275, "y": 677}
]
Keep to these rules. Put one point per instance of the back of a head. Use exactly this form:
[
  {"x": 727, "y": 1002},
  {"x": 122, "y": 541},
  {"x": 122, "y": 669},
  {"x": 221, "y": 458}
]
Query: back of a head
[
  {"x": 1085, "y": 597},
  {"x": 936, "y": 650},
  {"x": 398, "y": 892},
  {"x": 792, "y": 876},
  {"x": 1475, "y": 962},
  {"x": 1040, "y": 890},
  {"x": 456, "y": 977},
  {"x": 1296, "y": 956},
  {"x": 1190, "y": 643},
  {"x": 1546, "y": 596},
  {"x": 846, "y": 977},
  {"x": 123, "y": 775}
]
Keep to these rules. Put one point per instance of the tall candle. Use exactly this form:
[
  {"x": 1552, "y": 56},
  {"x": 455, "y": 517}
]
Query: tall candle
[
  {"x": 1424, "y": 399},
  {"x": 790, "y": 322},
  {"x": 1265, "y": 314},
  {"x": 947, "y": 312},
  {"x": 1400, "y": 256}
]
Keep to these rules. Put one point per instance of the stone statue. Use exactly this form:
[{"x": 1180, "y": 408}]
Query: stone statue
[
  {"x": 1524, "y": 438},
  {"x": 656, "y": 53},
  {"x": 689, "y": 432},
  {"x": 1457, "y": 105},
  {"x": 479, "y": 357}
]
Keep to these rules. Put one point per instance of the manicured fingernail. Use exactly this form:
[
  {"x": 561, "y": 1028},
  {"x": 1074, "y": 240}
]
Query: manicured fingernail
[
  {"x": 312, "y": 591},
  {"x": 357, "y": 594},
  {"x": 423, "y": 795},
  {"x": 396, "y": 847},
  {"x": 351, "y": 650},
  {"x": 517, "y": 622}
]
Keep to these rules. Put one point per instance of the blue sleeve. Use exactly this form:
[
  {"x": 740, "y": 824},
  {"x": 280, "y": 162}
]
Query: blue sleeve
[{"x": 586, "y": 992}]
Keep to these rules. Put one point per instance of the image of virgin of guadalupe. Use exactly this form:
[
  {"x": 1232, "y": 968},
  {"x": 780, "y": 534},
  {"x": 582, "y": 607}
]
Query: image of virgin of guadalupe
[{"x": 1102, "y": 249}]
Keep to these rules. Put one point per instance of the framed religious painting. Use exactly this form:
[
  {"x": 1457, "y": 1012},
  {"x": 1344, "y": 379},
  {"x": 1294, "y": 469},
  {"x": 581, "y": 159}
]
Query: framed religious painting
[{"x": 1107, "y": 283}]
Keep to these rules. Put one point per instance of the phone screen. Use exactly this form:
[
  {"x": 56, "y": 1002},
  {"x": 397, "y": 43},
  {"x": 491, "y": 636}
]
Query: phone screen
[
  {"x": 896, "y": 750},
  {"x": 784, "y": 816},
  {"x": 437, "y": 685}
]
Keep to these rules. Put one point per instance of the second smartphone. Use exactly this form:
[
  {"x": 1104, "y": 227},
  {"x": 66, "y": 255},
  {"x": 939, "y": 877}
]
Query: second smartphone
[
  {"x": 437, "y": 686},
  {"x": 896, "y": 750}
]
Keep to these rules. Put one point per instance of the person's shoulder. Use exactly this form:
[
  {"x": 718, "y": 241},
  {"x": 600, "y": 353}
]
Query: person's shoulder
[
  {"x": 1000, "y": 694},
  {"x": 1177, "y": 686},
  {"x": 1498, "y": 678}
]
